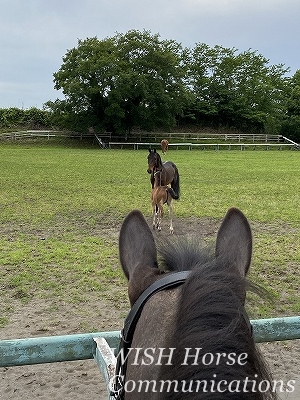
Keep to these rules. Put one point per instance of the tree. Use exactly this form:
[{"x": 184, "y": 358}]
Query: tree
[
  {"x": 17, "y": 118},
  {"x": 291, "y": 123},
  {"x": 239, "y": 90},
  {"x": 293, "y": 102},
  {"x": 128, "y": 80},
  {"x": 138, "y": 80}
]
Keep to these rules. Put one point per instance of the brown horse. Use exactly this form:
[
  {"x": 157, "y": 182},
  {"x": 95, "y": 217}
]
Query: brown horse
[
  {"x": 159, "y": 196},
  {"x": 188, "y": 335},
  {"x": 164, "y": 146},
  {"x": 169, "y": 171}
]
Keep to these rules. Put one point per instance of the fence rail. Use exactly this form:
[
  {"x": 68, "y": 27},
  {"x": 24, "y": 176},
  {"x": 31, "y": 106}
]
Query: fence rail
[
  {"x": 48, "y": 134},
  {"x": 82, "y": 346},
  {"x": 195, "y": 140},
  {"x": 204, "y": 146},
  {"x": 203, "y": 136}
]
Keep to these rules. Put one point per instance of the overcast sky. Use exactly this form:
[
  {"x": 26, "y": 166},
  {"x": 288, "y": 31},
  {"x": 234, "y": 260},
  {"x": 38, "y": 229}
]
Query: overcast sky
[{"x": 36, "y": 34}]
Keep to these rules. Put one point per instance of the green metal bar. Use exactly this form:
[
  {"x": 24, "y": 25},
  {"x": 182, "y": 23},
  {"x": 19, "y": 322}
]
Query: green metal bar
[
  {"x": 276, "y": 329},
  {"x": 52, "y": 349},
  {"x": 82, "y": 346}
]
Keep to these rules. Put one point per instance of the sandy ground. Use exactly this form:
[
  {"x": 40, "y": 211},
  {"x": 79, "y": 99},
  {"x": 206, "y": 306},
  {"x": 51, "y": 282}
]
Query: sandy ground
[{"x": 64, "y": 380}]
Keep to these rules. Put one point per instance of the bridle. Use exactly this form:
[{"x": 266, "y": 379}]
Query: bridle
[{"x": 168, "y": 281}]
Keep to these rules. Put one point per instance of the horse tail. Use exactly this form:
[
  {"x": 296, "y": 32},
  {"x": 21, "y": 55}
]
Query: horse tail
[
  {"x": 175, "y": 184},
  {"x": 172, "y": 193}
]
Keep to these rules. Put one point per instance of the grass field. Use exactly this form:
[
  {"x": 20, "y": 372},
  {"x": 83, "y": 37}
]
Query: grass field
[{"x": 62, "y": 207}]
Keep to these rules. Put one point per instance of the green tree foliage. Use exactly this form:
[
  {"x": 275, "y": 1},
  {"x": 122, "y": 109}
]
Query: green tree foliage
[
  {"x": 291, "y": 122},
  {"x": 293, "y": 103},
  {"x": 12, "y": 118},
  {"x": 128, "y": 80},
  {"x": 236, "y": 89},
  {"x": 137, "y": 80}
]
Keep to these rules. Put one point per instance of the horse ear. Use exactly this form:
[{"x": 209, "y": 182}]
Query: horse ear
[
  {"x": 234, "y": 240},
  {"x": 136, "y": 244},
  {"x": 138, "y": 255}
]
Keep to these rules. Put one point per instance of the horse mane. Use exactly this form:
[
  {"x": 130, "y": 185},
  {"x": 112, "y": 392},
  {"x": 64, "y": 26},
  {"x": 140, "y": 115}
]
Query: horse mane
[
  {"x": 159, "y": 162},
  {"x": 209, "y": 300}
]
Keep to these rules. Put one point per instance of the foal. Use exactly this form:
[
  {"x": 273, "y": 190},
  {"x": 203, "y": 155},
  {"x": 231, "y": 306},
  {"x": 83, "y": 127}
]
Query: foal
[{"x": 161, "y": 195}]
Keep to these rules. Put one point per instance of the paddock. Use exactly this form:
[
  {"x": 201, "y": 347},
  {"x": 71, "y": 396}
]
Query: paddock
[{"x": 138, "y": 165}]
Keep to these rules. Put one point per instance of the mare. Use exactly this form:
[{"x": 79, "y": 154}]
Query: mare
[
  {"x": 169, "y": 171},
  {"x": 192, "y": 339},
  {"x": 164, "y": 146},
  {"x": 159, "y": 196}
]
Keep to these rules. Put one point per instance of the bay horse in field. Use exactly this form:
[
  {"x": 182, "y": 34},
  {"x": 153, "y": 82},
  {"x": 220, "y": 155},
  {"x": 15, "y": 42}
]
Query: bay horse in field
[
  {"x": 164, "y": 146},
  {"x": 188, "y": 335},
  {"x": 169, "y": 171},
  {"x": 159, "y": 196}
]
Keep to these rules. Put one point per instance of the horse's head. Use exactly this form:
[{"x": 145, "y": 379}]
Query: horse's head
[
  {"x": 138, "y": 254},
  {"x": 201, "y": 320},
  {"x": 154, "y": 160}
]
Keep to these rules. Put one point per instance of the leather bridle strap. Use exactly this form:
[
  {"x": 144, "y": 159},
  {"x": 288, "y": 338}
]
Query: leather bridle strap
[{"x": 167, "y": 281}]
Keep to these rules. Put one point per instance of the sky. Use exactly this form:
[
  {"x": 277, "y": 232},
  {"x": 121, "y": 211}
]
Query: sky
[{"x": 36, "y": 34}]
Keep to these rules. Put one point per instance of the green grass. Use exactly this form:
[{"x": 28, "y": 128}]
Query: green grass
[
  {"x": 42, "y": 183},
  {"x": 62, "y": 207}
]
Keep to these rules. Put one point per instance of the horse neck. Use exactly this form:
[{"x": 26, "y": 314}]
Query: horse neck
[
  {"x": 160, "y": 170},
  {"x": 159, "y": 164},
  {"x": 212, "y": 319},
  {"x": 157, "y": 178}
]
